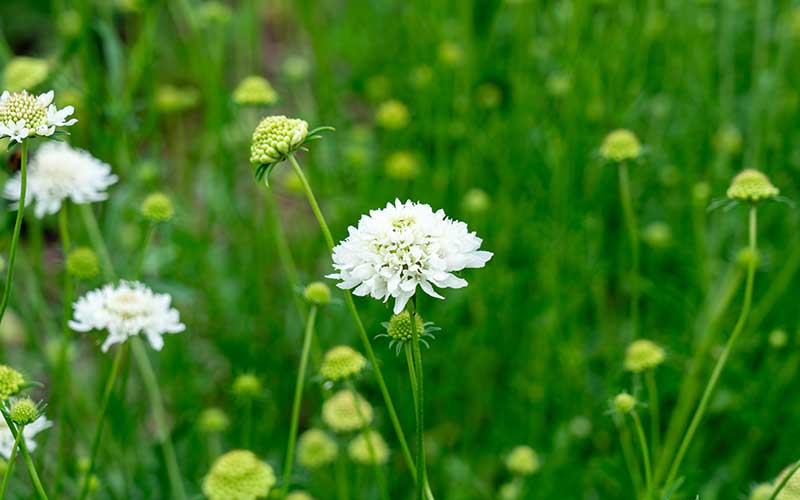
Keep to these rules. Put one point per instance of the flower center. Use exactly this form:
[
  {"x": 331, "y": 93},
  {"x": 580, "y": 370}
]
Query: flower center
[
  {"x": 22, "y": 106},
  {"x": 126, "y": 304}
]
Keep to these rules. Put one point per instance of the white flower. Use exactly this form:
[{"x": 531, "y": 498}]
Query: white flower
[
  {"x": 28, "y": 433},
  {"x": 124, "y": 310},
  {"x": 58, "y": 172},
  {"x": 24, "y": 115},
  {"x": 405, "y": 245}
]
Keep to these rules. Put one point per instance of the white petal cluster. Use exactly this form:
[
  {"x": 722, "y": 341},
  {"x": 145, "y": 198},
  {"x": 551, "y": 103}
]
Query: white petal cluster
[
  {"x": 24, "y": 115},
  {"x": 124, "y": 310},
  {"x": 58, "y": 172},
  {"x": 28, "y": 433},
  {"x": 403, "y": 246}
]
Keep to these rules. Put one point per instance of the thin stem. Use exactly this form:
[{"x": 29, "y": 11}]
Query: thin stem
[
  {"x": 93, "y": 229},
  {"x": 785, "y": 480},
  {"x": 648, "y": 470},
  {"x": 10, "y": 466},
  {"x": 151, "y": 230},
  {"x": 159, "y": 415},
  {"x": 312, "y": 200},
  {"x": 12, "y": 253},
  {"x": 63, "y": 379},
  {"x": 342, "y": 489},
  {"x": 298, "y": 397},
  {"x": 715, "y": 375},
  {"x": 628, "y": 454},
  {"x": 421, "y": 470},
  {"x": 655, "y": 411},
  {"x": 98, "y": 432},
  {"x": 37, "y": 484},
  {"x": 633, "y": 235}
]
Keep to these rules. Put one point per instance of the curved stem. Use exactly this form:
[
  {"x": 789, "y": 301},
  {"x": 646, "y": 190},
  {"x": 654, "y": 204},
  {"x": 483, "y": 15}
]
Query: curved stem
[
  {"x": 298, "y": 397},
  {"x": 37, "y": 484},
  {"x": 723, "y": 359},
  {"x": 648, "y": 471},
  {"x": 10, "y": 467},
  {"x": 420, "y": 406},
  {"x": 785, "y": 480},
  {"x": 12, "y": 253},
  {"x": 633, "y": 235}
]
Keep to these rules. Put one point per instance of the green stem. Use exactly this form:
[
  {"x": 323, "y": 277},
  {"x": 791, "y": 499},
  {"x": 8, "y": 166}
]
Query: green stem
[
  {"x": 633, "y": 235},
  {"x": 98, "y": 432},
  {"x": 10, "y": 467},
  {"x": 93, "y": 229},
  {"x": 61, "y": 369},
  {"x": 648, "y": 470},
  {"x": 420, "y": 407},
  {"x": 341, "y": 479},
  {"x": 37, "y": 484},
  {"x": 629, "y": 455},
  {"x": 12, "y": 253},
  {"x": 655, "y": 411},
  {"x": 151, "y": 230},
  {"x": 298, "y": 397},
  {"x": 785, "y": 480},
  {"x": 159, "y": 415},
  {"x": 715, "y": 375}
]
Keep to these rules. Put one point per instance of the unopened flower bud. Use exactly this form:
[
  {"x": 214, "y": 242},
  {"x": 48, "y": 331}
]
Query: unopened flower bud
[
  {"x": 624, "y": 403},
  {"x": 157, "y": 207},
  {"x": 621, "y": 145},
  {"x": 522, "y": 461},
  {"x": 317, "y": 293},
  {"x": 275, "y": 138},
  {"x": 247, "y": 386},
  {"x": 751, "y": 185},
  {"x": 254, "y": 91},
  {"x": 342, "y": 362},
  {"x": 24, "y": 411},
  {"x": 82, "y": 263},
  {"x": 400, "y": 326},
  {"x": 11, "y": 381},
  {"x": 643, "y": 355}
]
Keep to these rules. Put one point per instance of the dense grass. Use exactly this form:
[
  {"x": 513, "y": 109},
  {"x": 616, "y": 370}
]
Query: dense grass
[{"x": 533, "y": 348}]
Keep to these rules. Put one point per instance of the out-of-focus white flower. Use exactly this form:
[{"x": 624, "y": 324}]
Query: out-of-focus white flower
[
  {"x": 403, "y": 246},
  {"x": 58, "y": 172},
  {"x": 24, "y": 115},
  {"x": 124, "y": 310},
  {"x": 28, "y": 433}
]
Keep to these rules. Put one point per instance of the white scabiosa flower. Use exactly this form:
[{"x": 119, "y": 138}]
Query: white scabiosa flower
[
  {"x": 124, "y": 310},
  {"x": 58, "y": 172},
  {"x": 403, "y": 246},
  {"x": 24, "y": 115},
  {"x": 28, "y": 433}
]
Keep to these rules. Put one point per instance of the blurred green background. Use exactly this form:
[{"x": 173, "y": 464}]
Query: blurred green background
[{"x": 507, "y": 105}]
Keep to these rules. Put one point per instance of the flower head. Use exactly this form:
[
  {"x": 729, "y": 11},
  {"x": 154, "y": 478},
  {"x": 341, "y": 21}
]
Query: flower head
[
  {"x": 28, "y": 433},
  {"x": 247, "y": 386},
  {"x": 342, "y": 362},
  {"x": 404, "y": 246},
  {"x": 751, "y": 185},
  {"x": 316, "y": 449},
  {"x": 157, "y": 207},
  {"x": 254, "y": 90},
  {"x": 24, "y": 115},
  {"x": 82, "y": 263},
  {"x": 58, "y": 173},
  {"x": 238, "y": 475},
  {"x": 276, "y": 137},
  {"x": 24, "y": 411},
  {"x": 25, "y": 73},
  {"x": 621, "y": 145},
  {"x": 402, "y": 165},
  {"x": 368, "y": 448},
  {"x": 11, "y": 381},
  {"x": 126, "y": 309},
  {"x": 624, "y": 403},
  {"x": 317, "y": 293},
  {"x": 400, "y": 328},
  {"x": 213, "y": 420},
  {"x": 343, "y": 412},
  {"x": 522, "y": 461},
  {"x": 392, "y": 115},
  {"x": 476, "y": 201},
  {"x": 642, "y": 355}
]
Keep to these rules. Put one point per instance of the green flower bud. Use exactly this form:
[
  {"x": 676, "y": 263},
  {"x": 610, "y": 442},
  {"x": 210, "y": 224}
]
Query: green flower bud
[
  {"x": 476, "y": 201},
  {"x": 70, "y": 24},
  {"x": 621, "y": 145},
  {"x": 213, "y": 420},
  {"x": 392, "y": 115},
  {"x": 299, "y": 495},
  {"x": 296, "y": 68},
  {"x": 172, "y": 99},
  {"x": 700, "y": 193},
  {"x": 778, "y": 338},
  {"x": 751, "y": 185},
  {"x": 25, "y": 73},
  {"x": 343, "y": 412},
  {"x": 247, "y": 386},
  {"x": 317, "y": 293},
  {"x": 643, "y": 355},
  {"x": 342, "y": 362},
  {"x": 421, "y": 76},
  {"x": 624, "y": 403},
  {"x": 214, "y": 13},
  {"x": 11, "y": 381},
  {"x": 378, "y": 87},
  {"x": 275, "y": 138},
  {"x": 82, "y": 263},
  {"x": 522, "y": 461},
  {"x": 747, "y": 257},
  {"x": 451, "y": 53},
  {"x": 728, "y": 140},
  {"x": 316, "y": 449},
  {"x": 510, "y": 491},
  {"x": 400, "y": 326},
  {"x": 558, "y": 84},
  {"x": 24, "y": 411},
  {"x": 157, "y": 207},
  {"x": 238, "y": 474},
  {"x": 255, "y": 91},
  {"x": 402, "y": 165},
  {"x": 360, "y": 452},
  {"x": 657, "y": 234}
]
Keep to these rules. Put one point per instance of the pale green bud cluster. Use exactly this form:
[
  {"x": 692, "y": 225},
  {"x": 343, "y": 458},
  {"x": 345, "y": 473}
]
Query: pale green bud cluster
[
  {"x": 728, "y": 139},
  {"x": 657, "y": 234},
  {"x": 642, "y": 355},
  {"x": 24, "y": 411},
  {"x": 621, "y": 145},
  {"x": 213, "y": 420},
  {"x": 624, "y": 403},
  {"x": 360, "y": 452},
  {"x": 315, "y": 449},
  {"x": 402, "y": 165},
  {"x": 751, "y": 185},
  {"x": 25, "y": 73},
  {"x": 344, "y": 412},
  {"x": 450, "y": 53},
  {"x": 157, "y": 207},
  {"x": 476, "y": 201},
  {"x": 11, "y": 381},
  {"x": 510, "y": 491},
  {"x": 23, "y": 106},
  {"x": 522, "y": 461},
  {"x": 400, "y": 326},
  {"x": 82, "y": 263},
  {"x": 275, "y": 138},
  {"x": 342, "y": 362},
  {"x": 255, "y": 90},
  {"x": 172, "y": 99},
  {"x": 392, "y": 115},
  {"x": 778, "y": 338},
  {"x": 317, "y": 293},
  {"x": 247, "y": 386},
  {"x": 239, "y": 475},
  {"x": 296, "y": 68}
]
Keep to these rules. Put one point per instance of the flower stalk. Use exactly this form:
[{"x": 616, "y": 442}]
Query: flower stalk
[{"x": 12, "y": 253}]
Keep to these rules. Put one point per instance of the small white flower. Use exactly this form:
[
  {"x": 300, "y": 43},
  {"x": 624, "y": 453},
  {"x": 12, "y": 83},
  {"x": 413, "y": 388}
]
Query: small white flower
[
  {"x": 28, "y": 433},
  {"x": 58, "y": 172},
  {"x": 405, "y": 245},
  {"x": 124, "y": 310},
  {"x": 24, "y": 115}
]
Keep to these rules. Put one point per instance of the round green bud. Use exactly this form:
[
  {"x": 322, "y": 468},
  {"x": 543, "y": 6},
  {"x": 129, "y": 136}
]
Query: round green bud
[
  {"x": 747, "y": 257},
  {"x": 240, "y": 475},
  {"x": 213, "y": 420},
  {"x": 558, "y": 84},
  {"x": 315, "y": 449},
  {"x": 11, "y": 381},
  {"x": 82, "y": 263},
  {"x": 778, "y": 338},
  {"x": 254, "y": 91},
  {"x": 761, "y": 491},
  {"x": 657, "y": 234},
  {"x": 296, "y": 68},
  {"x": 343, "y": 412},
  {"x": 342, "y": 362},
  {"x": 510, "y": 491},
  {"x": 522, "y": 461},
  {"x": 24, "y": 411},
  {"x": 400, "y": 326},
  {"x": 621, "y": 145},
  {"x": 317, "y": 293},
  {"x": 751, "y": 185},
  {"x": 700, "y": 193},
  {"x": 624, "y": 403},
  {"x": 728, "y": 140},
  {"x": 70, "y": 23},
  {"x": 642, "y": 355},
  {"x": 214, "y": 13},
  {"x": 247, "y": 386},
  {"x": 23, "y": 106},
  {"x": 157, "y": 207},
  {"x": 451, "y": 53},
  {"x": 476, "y": 201},
  {"x": 392, "y": 115},
  {"x": 421, "y": 76},
  {"x": 25, "y": 73},
  {"x": 275, "y": 138},
  {"x": 580, "y": 427},
  {"x": 299, "y": 495},
  {"x": 402, "y": 165},
  {"x": 172, "y": 99},
  {"x": 368, "y": 448}
]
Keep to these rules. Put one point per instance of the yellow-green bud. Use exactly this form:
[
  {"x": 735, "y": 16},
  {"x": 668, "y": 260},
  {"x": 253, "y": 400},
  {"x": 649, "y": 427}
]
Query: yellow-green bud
[
  {"x": 296, "y": 68},
  {"x": 747, "y": 257},
  {"x": 510, "y": 491},
  {"x": 11, "y": 381},
  {"x": 421, "y": 76},
  {"x": 317, "y": 293},
  {"x": 476, "y": 201},
  {"x": 247, "y": 386},
  {"x": 70, "y": 23},
  {"x": 522, "y": 461},
  {"x": 315, "y": 449},
  {"x": 368, "y": 448},
  {"x": 728, "y": 140},
  {"x": 82, "y": 263},
  {"x": 402, "y": 165},
  {"x": 24, "y": 411},
  {"x": 378, "y": 87},
  {"x": 211, "y": 13},
  {"x": 657, "y": 234},
  {"x": 275, "y": 138},
  {"x": 344, "y": 413},
  {"x": 624, "y": 403},
  {"x": 558, "y": 84},
  {"x": 450, "y": 53},
  {"x": 213, "y": 420},
  {"x": 400, "y": 326},
  {"x": 621, "y": 145},
  {"x": 299, "y": 495},
  {"x": 643, "y": 355},
  {"x": 392, "y": 115},
  {"x": 25, "y": 73},
  {"x": 255, "y": 91},
  {"x": 238, "y": 474},
  {"x": 778, "y": 338},
  {"x": 172, "y": 99},
  {"x": 157, "y": 207},
  {"x": 751, "y": 185},
  {"x": 700, "y": 193},
  {"x": 342, "y": 362}
]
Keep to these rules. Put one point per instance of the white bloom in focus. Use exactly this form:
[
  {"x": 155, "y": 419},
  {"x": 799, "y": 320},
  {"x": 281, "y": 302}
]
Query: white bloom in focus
[
  {"x": 58, "y": 172},
  {"x": 25, "y": 115},
  {"x": 405, "y": 245},
  {"x": 28, "y": 433},
  {"x": 124, "y": 310}
]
